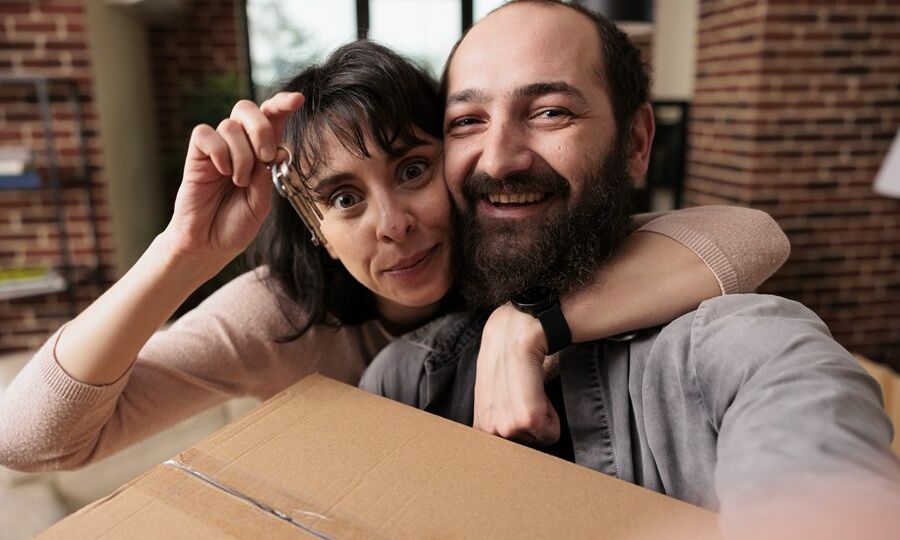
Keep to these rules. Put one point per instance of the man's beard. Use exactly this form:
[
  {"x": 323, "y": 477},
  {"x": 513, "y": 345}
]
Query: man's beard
[{"x": 562, "y": 250}]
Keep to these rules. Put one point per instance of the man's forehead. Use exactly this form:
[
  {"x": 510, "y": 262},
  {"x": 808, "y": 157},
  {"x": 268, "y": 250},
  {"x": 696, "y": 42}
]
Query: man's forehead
[{"x": 522, "y": 44}]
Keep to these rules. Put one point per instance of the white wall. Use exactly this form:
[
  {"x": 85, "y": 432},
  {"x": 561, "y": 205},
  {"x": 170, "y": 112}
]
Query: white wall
[
  {"x": 124, "y": 101},
  {"x": 674, "y": 48}
]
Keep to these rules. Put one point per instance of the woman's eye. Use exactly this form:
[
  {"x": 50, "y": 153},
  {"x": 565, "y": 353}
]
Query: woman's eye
[
  {"x": 344, "y": 200},
  {"x": 413, "y": 171}
]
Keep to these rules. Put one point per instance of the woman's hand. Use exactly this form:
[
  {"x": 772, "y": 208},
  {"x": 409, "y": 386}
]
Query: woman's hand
[
  {"x": 510, "y": 400},
  {"x": 225, "y": 193},
  {"x": 223, "y": 199}
]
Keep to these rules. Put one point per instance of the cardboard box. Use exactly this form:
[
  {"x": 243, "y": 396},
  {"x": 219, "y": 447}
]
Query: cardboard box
[
  {"x": 323, "y": 459},
  {"x": 890, "y": 390}
]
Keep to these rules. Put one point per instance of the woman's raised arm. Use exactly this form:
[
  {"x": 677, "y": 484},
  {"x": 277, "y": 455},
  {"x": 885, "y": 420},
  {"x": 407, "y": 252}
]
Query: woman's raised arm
[
  {"x": 223, "y": 200},
  {"x": 64, "y": 408},
  {"x": 663, "y": 270}
]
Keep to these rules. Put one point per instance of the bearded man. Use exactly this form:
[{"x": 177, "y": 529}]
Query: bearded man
[{"x": 547, "y": 120}]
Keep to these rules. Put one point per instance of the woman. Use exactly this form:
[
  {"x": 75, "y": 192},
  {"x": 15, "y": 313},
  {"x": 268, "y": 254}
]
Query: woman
[{"x": 367, "y": 142}]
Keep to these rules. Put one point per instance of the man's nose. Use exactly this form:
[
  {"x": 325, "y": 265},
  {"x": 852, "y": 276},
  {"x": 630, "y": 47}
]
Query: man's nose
[
  {"x": 394, "y": 220},
  {"x": 505, "y": 151}
]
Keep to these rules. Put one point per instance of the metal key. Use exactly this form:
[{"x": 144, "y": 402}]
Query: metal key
[{"x": 286, "y": 178}]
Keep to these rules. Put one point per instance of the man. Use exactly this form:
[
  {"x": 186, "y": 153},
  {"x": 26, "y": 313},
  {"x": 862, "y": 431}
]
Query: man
[{"x": 547, "y": 105}]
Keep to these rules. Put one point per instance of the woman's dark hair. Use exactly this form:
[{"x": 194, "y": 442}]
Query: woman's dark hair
[{"x": 361, "y": 90}]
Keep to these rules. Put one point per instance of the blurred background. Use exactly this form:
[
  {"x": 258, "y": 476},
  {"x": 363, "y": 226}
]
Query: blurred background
[
  {"x": 789, "y": 107},
  {"x": 786, "y": 106}
]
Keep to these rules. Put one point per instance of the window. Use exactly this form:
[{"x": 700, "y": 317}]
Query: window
[
  {"x": 423, "y": 31},
  {"x": 287, "y": 35},
  {"x": 483, "y": 7}
]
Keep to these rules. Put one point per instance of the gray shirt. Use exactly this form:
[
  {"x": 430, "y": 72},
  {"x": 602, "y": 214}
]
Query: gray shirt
[{"x": 746, "y": 395}]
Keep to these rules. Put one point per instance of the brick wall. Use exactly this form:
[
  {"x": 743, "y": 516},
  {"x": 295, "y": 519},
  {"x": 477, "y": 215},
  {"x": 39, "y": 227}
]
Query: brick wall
[
  {"x": 199, "y": 72},
  {"x": 199, "y": 65},
  {"x": 796, "y": 103},
  {"x": 48, "y": 38}
]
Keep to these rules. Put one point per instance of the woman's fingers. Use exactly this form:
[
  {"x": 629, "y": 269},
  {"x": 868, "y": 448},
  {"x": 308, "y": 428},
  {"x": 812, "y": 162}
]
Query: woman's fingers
[
  {"x": 278, "y": 107},
  {"x": 250, "y": 136},
  {"x": 259, "y": 193},
  {"x": 206, "y": 142},
  {"x": 257, "y": 127},
  {"x": 242, "y": 156}
]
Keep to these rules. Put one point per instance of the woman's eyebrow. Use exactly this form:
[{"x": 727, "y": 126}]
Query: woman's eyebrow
[
  {"x": 327, "y": 183},
  {"x": 400, "y": 151}
]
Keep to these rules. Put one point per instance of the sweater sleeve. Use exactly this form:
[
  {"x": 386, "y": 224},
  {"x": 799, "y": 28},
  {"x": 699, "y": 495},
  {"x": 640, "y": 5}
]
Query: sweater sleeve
[
  {"x": 221, "y": 349},
  {"x": 741, "y": 246}
]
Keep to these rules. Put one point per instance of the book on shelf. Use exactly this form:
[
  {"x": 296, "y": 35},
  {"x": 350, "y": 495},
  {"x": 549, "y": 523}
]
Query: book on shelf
[
  {"x": 30, "y": 281},
  {"x": 17, "y": 169}
]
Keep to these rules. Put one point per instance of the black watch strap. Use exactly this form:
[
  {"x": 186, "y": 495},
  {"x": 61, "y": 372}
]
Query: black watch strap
[
  {"x": 555, "y": 328},
  {"x": 543, "y": 304}
]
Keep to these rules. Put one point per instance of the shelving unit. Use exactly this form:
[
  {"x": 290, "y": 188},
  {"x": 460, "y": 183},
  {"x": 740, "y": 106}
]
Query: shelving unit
[{"x": 62, "y": 278}]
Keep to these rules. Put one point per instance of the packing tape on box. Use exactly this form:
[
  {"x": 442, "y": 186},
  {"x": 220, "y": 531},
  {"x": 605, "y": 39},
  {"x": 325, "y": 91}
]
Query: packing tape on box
[
  {"x": 255, "y": 502},
  {"x": 265, "y": 493}
]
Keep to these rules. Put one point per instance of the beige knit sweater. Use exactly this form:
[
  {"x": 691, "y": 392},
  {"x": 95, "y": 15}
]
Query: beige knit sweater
[{"x": 224, "y": 348}]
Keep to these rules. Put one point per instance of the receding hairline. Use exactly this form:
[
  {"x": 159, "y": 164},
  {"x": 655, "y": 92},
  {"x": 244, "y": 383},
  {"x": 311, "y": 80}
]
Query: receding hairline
[{"x": 601, "y": 61}]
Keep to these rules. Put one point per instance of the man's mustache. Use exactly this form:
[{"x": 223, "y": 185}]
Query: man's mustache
[{"x": 480, "y": 185}]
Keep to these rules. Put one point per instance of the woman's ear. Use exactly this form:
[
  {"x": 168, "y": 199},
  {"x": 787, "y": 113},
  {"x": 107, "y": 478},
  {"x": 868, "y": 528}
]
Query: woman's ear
[{"x": 331, "y": 251}]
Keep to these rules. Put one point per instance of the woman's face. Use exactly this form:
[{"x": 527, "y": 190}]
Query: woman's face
[{"x": 388, "y": 221}]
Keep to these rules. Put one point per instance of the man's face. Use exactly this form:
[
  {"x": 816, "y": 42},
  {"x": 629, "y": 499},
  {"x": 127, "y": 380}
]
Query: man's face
[{"x": 529, "y": 125}]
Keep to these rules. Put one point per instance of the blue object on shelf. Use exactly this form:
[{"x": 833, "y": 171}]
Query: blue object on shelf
[{"x": 28, "y": 180}]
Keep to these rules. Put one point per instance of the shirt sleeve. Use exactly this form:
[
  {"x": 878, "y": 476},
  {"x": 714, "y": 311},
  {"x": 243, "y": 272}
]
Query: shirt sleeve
[
  {"x": 793, "y": 410},
  {"x": 221, "y": 349},
  {"x": 741, "y": 246}
]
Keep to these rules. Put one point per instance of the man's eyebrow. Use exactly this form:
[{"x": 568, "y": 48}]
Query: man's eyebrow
[
  {"x": 468, "y": 95},
  {"x": 537, "y": 89},
  {"x": 547, "y": 87}
]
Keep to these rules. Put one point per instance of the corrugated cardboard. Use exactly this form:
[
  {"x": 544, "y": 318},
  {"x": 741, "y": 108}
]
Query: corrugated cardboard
[
  {"x": 323, "y": 459},
  {"x": 890, "y": 390}
]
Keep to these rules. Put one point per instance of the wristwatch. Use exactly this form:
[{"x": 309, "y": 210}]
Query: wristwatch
[{"x": 542, "y": 303}]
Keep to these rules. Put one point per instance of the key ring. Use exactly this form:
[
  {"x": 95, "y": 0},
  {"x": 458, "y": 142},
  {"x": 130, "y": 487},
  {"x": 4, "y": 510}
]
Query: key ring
[{"x": 285, "y": 176}]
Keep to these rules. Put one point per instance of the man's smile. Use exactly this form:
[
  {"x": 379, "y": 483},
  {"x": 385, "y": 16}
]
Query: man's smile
[
  {"x": 514, "y": 206},
  {"x": 516, "y": 198}
]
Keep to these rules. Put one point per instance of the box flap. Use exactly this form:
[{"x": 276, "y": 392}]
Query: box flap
[{"x": 342, "y": 463}]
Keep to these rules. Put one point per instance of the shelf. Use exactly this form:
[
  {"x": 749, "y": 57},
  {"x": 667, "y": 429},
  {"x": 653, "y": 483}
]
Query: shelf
[{"x": 47, "y": 283}]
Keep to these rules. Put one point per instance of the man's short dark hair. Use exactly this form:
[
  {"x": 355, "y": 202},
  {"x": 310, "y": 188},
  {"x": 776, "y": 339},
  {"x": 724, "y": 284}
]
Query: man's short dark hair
[{"x": 622, "y": 70}]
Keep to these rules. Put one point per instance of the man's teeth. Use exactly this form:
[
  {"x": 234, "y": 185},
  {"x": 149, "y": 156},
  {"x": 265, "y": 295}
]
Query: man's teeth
[{"x": 515, "y": 198}]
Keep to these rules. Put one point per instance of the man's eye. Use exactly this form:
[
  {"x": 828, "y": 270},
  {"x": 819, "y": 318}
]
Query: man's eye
[
  {"x": 552, "y": 113},
  {"x": 462, "y": 123},
  {"x": 344, "y": 200},
  {"x": 413, "y": 171}
]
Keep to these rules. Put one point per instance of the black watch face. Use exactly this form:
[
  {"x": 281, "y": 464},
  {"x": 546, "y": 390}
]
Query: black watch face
[{"x": 534, "y": 296}]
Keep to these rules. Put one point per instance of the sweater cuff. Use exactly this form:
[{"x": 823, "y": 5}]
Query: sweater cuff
[
  {"x": 68, "y": 388},
  {"x": 703, "y": 247}
]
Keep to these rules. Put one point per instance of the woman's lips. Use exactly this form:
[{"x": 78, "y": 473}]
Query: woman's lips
[{"x": 410, "y": 265}]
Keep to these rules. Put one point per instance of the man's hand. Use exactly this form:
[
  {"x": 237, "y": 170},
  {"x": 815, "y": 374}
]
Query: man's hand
[{"x": 509, "y": 380}]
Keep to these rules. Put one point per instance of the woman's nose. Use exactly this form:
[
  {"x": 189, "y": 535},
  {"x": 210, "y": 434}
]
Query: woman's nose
[{"x": 394, "y": 222}]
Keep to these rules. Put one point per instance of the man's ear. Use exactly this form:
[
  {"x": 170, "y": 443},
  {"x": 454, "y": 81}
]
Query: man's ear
[{"x": 641, "y": 139}]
